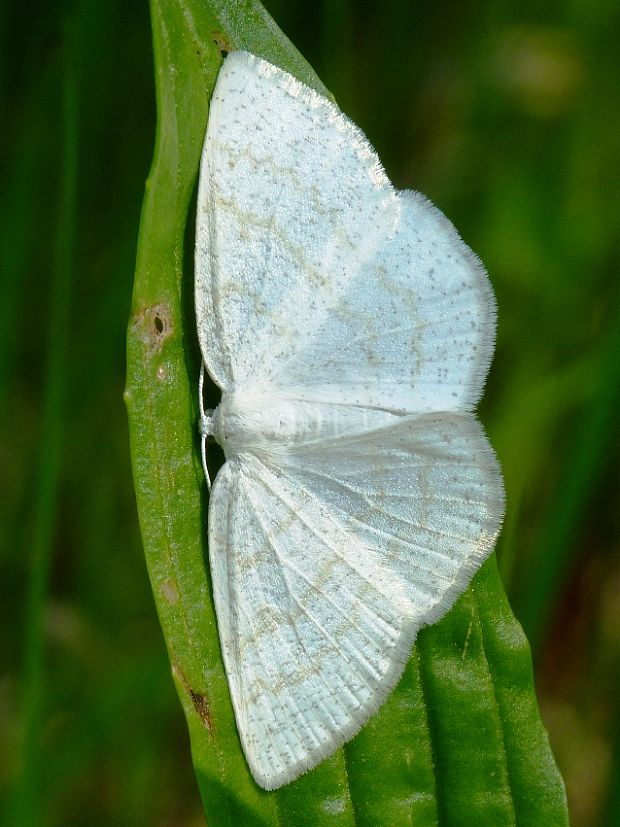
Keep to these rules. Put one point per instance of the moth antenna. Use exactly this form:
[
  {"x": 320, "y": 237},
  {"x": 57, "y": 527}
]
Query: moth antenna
[{"x": 203, "y": 425}]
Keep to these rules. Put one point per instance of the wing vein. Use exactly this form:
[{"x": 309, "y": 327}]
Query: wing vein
[
  {"x": 321, "y": 536},
  {"x": 391, "y": 515}
]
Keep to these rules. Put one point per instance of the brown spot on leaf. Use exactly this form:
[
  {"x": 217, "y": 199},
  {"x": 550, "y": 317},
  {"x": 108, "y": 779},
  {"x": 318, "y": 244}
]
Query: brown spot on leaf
[
  {"x": 201, "y": 705},
  {"x": 199, "y": 701},
  {"x": 153, "y": 326},
  {"x": 222, "y": 42},
  {"x": 169, "y": 590}
]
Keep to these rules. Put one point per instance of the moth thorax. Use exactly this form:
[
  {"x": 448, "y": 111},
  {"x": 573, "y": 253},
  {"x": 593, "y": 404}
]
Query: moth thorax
[{"x": 255, "y": 422}]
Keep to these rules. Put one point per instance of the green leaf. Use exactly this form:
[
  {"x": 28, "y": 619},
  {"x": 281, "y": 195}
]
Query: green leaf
[{"x": 460, "y": 740}]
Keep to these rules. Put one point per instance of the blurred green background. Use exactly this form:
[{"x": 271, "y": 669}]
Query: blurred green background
[{"x": 508, "y": 117}]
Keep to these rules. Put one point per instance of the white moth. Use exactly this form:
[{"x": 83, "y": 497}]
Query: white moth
[{"x": 350, "y": 331}]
